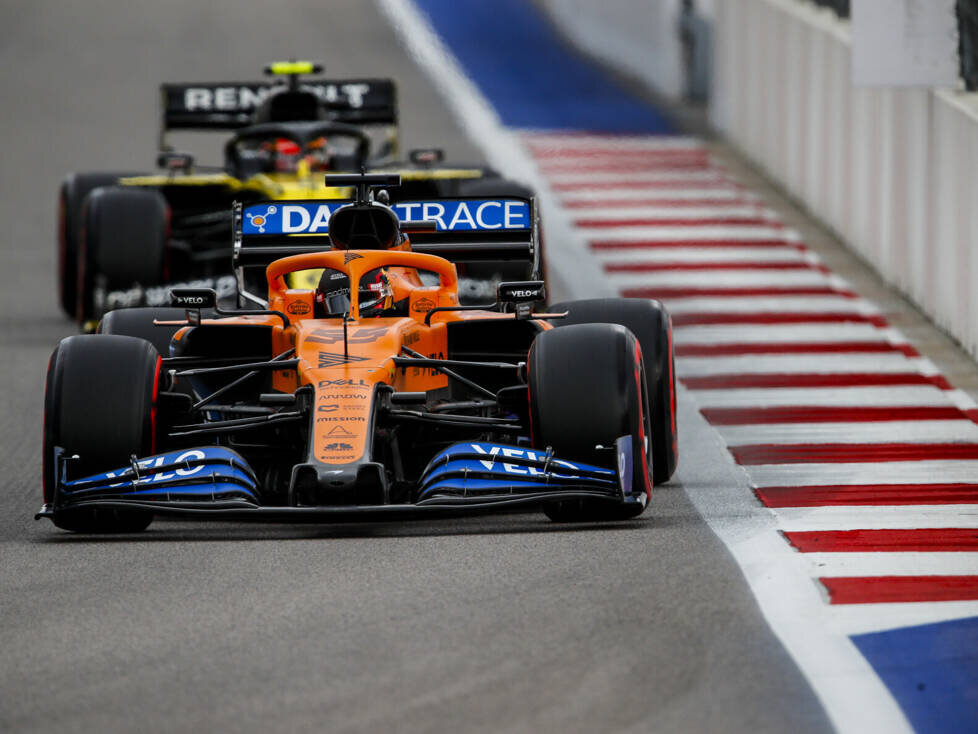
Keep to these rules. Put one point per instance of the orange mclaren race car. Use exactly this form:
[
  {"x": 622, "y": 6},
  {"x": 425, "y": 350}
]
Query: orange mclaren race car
[{"x": 374, "y": 394}]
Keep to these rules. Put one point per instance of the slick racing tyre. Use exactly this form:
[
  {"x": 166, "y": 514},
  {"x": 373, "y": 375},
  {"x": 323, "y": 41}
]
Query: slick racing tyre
[
  {"x": 138, "y": 322},
  {"x": 71, "y": 197},
  {"x": 100, "y": 404},
  {"x": 650, "y": 322},
  {"x": 123, "y": 243},
  {"x": 587, "y": 388}
]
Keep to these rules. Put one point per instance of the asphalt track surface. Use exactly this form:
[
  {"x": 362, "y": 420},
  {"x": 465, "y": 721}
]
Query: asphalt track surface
[{"x": 502, "y": 623}]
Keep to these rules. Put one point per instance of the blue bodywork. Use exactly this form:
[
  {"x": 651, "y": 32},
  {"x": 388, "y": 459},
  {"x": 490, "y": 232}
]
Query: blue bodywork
[{"x": 217, "y": 481}]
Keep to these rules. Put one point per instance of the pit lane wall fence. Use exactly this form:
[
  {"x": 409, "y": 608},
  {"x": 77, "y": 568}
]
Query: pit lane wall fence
[{"x": 893, "y": 171}]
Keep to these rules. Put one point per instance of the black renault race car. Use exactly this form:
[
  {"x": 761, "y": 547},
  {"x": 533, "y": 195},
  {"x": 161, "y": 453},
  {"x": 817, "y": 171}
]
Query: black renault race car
[{"x": 122, "y": 236}]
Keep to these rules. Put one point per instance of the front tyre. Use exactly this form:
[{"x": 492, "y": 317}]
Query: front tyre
[
  {"x": 587, "y": 388},
  {"x": 100, "y": 404},
  {"x": 650, "y": 322}
]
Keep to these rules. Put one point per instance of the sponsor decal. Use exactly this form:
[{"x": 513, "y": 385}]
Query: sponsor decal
[
  {"x": 346, "y": 418},
  {"x": 411, "y": 337},
  {"x": 351, "y": 256},
  {"x": 337, "y": 446},
  {"x": 348, "y": 382},
  {"x": 150, "y": 464},
  {"x": 246, "y": 97},
  {"x": 422, "y": 305},
  {"x": 495, "y": 452},
  {"x": 354, "y": 335},
  {"x": 340, "y": 431},
  {"x": 298, "y": 308},
  {"x": 329, "y": 359},
  {"x": 260, "y": 220},
  {"x": 449, "y": 215},
  {"x": 328, "y": 408},
  {"x": 429, "y": 371}
]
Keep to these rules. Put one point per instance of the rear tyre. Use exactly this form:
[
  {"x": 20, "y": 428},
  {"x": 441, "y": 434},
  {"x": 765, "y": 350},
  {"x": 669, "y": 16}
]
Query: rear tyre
[
  {"x": 123, "y": 243},
  {"x": 587, "y": 388},
  {"x": 138, "y": 322},
  {"x": 71, "y": 197},
  {"x": 100, "y": 404},
  {"x": 650, "y": 322}
]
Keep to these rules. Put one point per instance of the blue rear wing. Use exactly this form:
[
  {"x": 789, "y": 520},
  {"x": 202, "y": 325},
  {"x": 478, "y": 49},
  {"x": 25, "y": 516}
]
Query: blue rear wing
[{"x": 466, "y": 229}]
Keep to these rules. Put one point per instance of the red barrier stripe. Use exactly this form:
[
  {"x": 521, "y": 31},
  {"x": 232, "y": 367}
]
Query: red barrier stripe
[
  {"x": 930, "y": 540},
  {"x": 544, "y": 152},
  {"x": 742, "y": 221},
  {"x": 672, "y": 292},
  {"x": 868, "y": 494},
  {"x": 824, "y": 414},
  {"x": 665, "y": 183},
  {"x": 814, "y": 379},
  {"x": 893, "y": 589},
  {"x": 652, "y": 267},
  {"x": 663, "y": 202},
  {"x": 832, "y": 453},
  {"x": 727, "y": 350},
  {"x": 707, "y": 318},
  {"x": 688, "y": 244}
]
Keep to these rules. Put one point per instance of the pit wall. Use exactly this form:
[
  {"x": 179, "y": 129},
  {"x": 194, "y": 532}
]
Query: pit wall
[{"x": 893, "y": 171}]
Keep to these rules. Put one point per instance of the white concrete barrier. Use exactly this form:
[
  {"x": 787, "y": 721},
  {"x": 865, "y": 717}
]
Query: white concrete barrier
[
  {"x": 894, "y": 172},
  {"x": 891, "y": 170}
]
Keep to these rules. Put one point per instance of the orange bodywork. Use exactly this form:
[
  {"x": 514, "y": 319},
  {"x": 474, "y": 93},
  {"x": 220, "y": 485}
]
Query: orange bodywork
[{"x": 344, "y": 381}]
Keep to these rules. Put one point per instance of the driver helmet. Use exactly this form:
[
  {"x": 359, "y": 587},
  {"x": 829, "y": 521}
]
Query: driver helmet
[
  {"x": 376, "y": 295},
  {"x": 285, "y": 154},
  {"x": 317, "y": 154}
]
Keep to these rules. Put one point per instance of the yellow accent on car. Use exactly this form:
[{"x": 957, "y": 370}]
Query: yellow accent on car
[
  {"x": 291, "y": 67},
  {"x": 304, "y": 279}
]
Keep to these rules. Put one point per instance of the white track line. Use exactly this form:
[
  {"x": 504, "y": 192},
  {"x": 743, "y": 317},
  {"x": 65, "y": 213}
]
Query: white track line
[
  {"x": 889, "y": 395},
  {"x": 696, "y": 180},
  {"x": 767, "y": 304},
  {"x": 888, "y": 362},
  {"x": 781, "y": 254},
  {"x": 890, "y": 472},
  {"x": 719, "y": 279},
  {"x": 727, "y": 191},
  {"x": 893, "y": 564},
  {"x": 784, "y": 334},
  {"x": 711, "y": 211},
  {"x": 573, "y": 143},
  {"x": 726, "y": 232},
  {"x": 963, "y": 431},
  {"x": 877, "y": 517}
]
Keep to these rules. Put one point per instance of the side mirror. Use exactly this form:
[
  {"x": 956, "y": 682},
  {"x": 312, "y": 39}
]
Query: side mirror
[
  {"x": 426, "y": 156},
  {"x": 173, "y": 161},
  {"x": 521, "y": 291}
]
